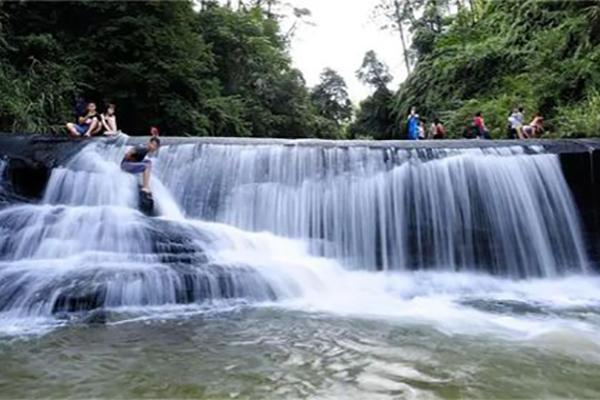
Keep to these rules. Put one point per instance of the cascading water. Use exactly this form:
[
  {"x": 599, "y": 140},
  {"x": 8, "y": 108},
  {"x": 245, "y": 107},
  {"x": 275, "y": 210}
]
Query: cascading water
[
  {"x": 489, "y": 210},
  {"x": 86, "y": 246},
  {"x": 2, "y": 168},
  {"x": 257, "y": 278}
]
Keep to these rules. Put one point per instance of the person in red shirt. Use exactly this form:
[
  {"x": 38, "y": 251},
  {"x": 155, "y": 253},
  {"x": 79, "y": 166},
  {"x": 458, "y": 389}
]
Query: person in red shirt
[
  {"x": 479, "y": 124},
  {"x": 437, "y": 129}
]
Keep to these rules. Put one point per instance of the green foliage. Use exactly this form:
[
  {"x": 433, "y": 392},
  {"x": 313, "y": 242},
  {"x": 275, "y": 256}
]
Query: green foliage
[
  {"x": 500, "y": 55},
  {"x": 580, "y": 120},
  {"x": 330, "y": 98},
  {"x": 220, "y": 71},
  {"x": 373, "y": 72},
  {"x": 374, "y": 118}
]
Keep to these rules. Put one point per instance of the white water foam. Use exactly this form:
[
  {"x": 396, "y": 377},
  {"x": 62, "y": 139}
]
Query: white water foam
[
  {"x": 89, "y": 228},
  {"x": 489, "y": 210}
]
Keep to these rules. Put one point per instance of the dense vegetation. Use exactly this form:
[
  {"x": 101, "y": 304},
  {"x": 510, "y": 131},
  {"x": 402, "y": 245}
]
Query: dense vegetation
[
  {"x": 225, "y": 70},
  {"x": 492, "y": 56},
  {"x": 215, "y": 71}
]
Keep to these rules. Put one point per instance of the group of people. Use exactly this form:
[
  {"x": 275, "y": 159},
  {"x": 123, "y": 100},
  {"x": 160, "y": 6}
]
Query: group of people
[
  {"x": 517, "y": 128},
  {"x": 416, "y": 127},
  {"x": 89, "y": 123}
]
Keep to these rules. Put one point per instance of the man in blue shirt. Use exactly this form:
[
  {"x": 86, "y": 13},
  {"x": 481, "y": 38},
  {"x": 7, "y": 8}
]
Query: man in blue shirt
[{"x": 413, "y": 124}]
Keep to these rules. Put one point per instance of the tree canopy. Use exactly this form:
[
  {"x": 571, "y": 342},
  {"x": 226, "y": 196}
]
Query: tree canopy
[
  {"x": 220, "y": 71},
  {"x": 331, "y": 98},
  {"x": 225, "y": 69}
]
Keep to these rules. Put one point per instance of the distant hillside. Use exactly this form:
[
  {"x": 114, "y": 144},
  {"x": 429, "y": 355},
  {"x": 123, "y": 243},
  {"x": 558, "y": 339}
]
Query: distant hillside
[{"x": 542, "y": 55}]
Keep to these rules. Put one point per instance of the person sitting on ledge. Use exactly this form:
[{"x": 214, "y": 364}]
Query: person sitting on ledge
[
  {"x": 535, "y": 129},
  {"x": 135, "y": 161},
  {"x": 437, "y": 130},
  {"x": 109, "y": 121},
  {"x": 87, "y": 124}
]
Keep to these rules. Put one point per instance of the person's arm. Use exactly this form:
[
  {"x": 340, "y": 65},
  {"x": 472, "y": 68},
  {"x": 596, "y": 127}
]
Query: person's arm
[
  {"x": 104, "y": 122},
  {"x": 88, "y": 118},
  {"x": 129, "y": 155}
]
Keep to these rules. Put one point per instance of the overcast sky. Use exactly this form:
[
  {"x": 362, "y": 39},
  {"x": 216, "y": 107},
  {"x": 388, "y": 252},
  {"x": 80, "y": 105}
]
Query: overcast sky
[{"x": 342, "y": 34}]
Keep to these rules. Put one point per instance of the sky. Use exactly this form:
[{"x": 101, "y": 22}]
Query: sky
[{"x": 342, "y": 33}]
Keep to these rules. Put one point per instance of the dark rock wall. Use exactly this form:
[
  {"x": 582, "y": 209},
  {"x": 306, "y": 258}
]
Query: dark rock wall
[{"x": 582, "y": 173}]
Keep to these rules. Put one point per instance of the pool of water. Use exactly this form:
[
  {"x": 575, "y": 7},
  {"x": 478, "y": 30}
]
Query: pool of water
[{"x": 509, "y": 343}]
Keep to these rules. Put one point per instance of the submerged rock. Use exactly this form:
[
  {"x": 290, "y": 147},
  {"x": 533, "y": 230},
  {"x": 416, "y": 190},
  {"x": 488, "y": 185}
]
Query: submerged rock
[{"x": 146, "y": 203}]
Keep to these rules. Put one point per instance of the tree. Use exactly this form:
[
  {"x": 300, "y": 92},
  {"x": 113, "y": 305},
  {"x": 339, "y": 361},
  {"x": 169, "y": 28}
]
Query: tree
[
  {"x": 330, "y": 97},
  {"x": 373, "y": 118},
  {"x": 253, "y": 66},
  {"x": 144, "y": 56},
  {"x": 413, "y": 19},
  {"x": 216, "y": 71},
  {"x": 495, "y": 56},
  {"x": 374, "y": 72},
  {"x": 397, "y": 14}
]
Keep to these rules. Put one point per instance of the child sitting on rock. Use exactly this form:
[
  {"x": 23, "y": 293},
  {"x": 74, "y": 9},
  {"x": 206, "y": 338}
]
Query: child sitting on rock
[{"x": 109, "y": 121}]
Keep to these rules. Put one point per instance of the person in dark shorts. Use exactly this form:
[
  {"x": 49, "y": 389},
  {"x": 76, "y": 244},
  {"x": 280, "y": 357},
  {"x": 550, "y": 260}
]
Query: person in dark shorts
[
  {"x": 135, "y": 161},
  {"x": 88, "y": 123}
]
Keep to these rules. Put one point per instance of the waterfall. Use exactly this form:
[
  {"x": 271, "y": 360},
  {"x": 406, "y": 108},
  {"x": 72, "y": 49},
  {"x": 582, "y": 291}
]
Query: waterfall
[
  {"x": 86, "y": 246},
  {"x": 495, "y": 210},
  {"x": 2, "y": 168},
  {"x": 270, "y": 222}
]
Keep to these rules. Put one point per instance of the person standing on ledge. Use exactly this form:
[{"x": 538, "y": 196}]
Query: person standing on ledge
[
  {"x": 135, "y": 161},
  {"x": 479, "y": 125},
  {"x": 413, "y": 124}
]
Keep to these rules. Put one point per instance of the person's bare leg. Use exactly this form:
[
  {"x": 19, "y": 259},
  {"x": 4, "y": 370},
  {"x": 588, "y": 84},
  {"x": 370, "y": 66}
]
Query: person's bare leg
[
  {"x": 146, "y": 179},
  {"x": 92, "y": 127},
  {"x": 98, "y": 127},
  {"x": 72, "y": 131}
]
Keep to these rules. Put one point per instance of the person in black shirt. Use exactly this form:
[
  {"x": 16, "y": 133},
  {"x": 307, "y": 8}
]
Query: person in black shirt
[
  {"x": 88, "y": 123},
  {"x": 135, "y": 161}
]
